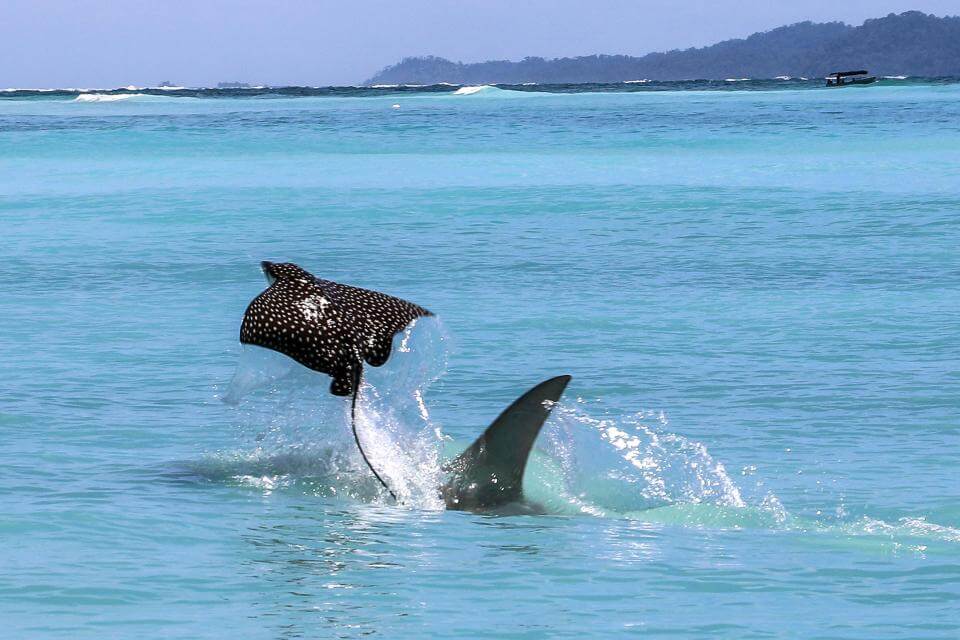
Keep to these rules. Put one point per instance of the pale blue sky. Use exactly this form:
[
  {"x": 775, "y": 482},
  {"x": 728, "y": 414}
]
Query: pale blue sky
[{"x": 109, "y": 43}]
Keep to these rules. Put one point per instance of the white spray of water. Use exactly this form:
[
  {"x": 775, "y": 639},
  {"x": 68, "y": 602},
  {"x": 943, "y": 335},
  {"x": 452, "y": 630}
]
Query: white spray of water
[
  {"x": 625, "y": 464},
  {"x": 408, "y": 462},
  {"x": 303, "y": 434},
  {"x": 582, "y": 464}
]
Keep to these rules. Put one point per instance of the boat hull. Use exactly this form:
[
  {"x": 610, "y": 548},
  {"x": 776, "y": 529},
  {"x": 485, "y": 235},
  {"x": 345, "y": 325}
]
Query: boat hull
[{"x": 846, "y": 82}]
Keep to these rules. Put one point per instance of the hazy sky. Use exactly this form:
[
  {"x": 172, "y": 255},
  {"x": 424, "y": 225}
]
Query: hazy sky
[{"x": 110, "y": 43}]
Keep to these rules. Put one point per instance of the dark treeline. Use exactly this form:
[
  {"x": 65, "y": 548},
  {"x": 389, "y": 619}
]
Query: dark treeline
[{"x": 911, "y": 43}]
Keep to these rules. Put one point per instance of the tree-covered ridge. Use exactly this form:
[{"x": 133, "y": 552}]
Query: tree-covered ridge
[{"x": 911, "y": 43}]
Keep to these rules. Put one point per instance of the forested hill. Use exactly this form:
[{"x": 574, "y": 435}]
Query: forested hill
[{"x": 911, "y": 43}]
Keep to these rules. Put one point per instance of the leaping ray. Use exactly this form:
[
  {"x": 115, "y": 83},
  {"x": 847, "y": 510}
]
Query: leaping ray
[
  {"x": 328, "y": 327},
  {"x": 324, "y": 325}
]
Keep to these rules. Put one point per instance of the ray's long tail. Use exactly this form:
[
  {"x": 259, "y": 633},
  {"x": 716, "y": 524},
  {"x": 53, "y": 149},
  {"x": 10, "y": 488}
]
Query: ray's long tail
[{"x": 356, "y": 437}]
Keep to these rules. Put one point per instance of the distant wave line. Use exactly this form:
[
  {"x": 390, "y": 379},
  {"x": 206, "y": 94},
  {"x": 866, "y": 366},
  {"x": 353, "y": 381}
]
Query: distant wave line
[{"x": 626, "y": 86}]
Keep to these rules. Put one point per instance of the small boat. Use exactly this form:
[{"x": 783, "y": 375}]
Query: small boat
[{"x": 843, "y": 78}]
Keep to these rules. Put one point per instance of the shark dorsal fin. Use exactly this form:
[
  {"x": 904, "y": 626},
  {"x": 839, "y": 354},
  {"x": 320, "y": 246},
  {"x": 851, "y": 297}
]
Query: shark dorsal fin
[{"x": 490, "y": 472}]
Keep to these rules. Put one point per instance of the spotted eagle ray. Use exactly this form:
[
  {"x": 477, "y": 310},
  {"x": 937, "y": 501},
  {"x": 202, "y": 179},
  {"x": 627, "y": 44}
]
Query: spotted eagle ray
[
  {"x": 324, "y": 325},
  {"x": 335, "y": 328}
]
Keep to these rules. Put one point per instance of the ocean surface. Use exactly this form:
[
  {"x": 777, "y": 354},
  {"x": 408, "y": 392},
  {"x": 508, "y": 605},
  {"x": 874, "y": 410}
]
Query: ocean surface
[{"x": 755, "y": 286}]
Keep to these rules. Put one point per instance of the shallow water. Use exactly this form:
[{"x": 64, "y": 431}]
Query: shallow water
[{"x": 756, "y": 293}]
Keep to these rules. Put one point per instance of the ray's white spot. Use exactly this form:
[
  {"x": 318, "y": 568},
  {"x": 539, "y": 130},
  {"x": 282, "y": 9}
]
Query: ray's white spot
[{"x": 314, "y": 308}]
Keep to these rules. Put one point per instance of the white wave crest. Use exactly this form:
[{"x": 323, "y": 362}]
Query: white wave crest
[
  {"x": 896, "y": 77},
  {"x": 906, "y": 527},
  {"x": 42, "y": 90},
  {"x": 107, "y": 97},
  {"x": 736, "y": 79},
  {"x": 644, "y": 81},
  {"x": 468, "y": 91}
]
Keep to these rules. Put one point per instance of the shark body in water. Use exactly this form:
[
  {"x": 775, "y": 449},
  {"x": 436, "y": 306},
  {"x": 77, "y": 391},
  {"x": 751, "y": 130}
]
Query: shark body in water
[{"x": 335, "y": 329}]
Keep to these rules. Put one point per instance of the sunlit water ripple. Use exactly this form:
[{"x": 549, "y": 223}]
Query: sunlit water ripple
[{"x": 755, "y": 290}]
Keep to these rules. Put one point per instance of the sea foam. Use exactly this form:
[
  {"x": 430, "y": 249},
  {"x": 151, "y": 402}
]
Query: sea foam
[
  {"x": 467, "y": 91},
  {"x": 107, "y": 97}
]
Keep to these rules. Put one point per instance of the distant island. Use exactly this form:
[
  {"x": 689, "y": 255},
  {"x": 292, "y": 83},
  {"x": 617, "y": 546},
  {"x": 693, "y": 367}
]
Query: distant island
[{"x": 911, "y": 44}]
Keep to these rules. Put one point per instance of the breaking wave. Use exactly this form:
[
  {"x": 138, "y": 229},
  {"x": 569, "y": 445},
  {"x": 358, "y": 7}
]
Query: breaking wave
[
  {"x": 503, "y": 91},
  {"x": 469, "y": 91},
  {"x": 107, "y": 97},
  {"x": 445, "y": 89}
]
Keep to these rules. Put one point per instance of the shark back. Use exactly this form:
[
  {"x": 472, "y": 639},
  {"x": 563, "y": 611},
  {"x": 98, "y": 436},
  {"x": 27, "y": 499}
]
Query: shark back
[{"x": 489, "y": 473}]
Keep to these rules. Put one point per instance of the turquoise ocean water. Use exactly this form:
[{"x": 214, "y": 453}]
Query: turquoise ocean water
[{"x": 755, "y": 286}]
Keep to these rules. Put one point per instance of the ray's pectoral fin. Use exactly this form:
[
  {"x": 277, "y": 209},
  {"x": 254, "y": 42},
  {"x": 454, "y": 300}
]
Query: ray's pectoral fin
[
  {"x": 490, "y": 472},
  {"x": 378, "y": 354}
]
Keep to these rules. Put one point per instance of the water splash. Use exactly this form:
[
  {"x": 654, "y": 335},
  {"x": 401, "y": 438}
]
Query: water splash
[
  {"x": 632, "y": 463},
  {"x": 466, "y": 91},
  {"x": 583, "y": 464},
  {"x": 629, "y": 467},
  {"x": 408, "y": 460},
  {"x": 301, "y": 434}
]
